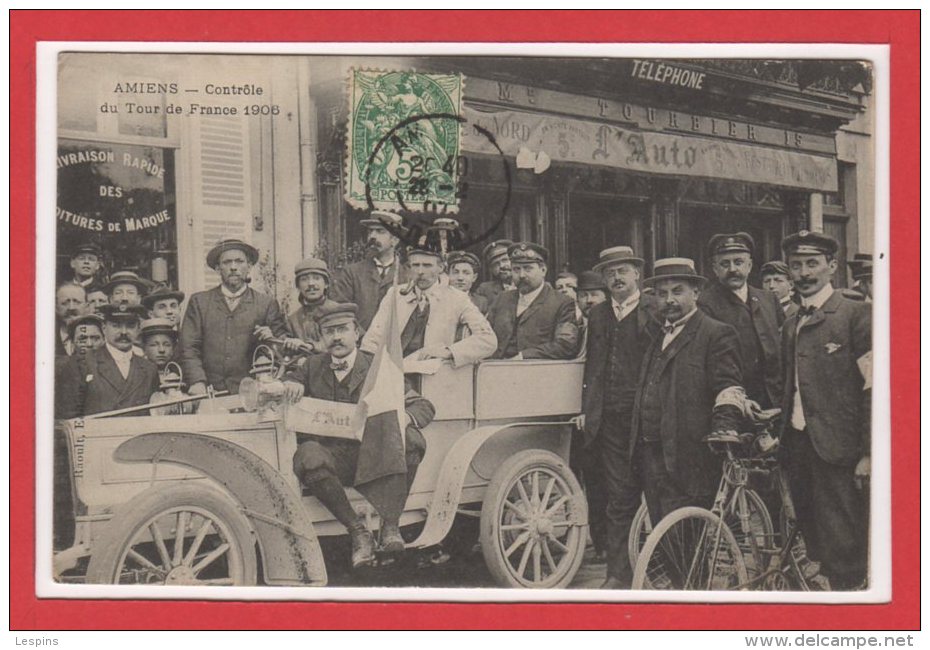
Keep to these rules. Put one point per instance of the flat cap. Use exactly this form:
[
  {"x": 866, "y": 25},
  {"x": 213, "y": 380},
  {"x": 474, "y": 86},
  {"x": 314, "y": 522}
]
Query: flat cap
[
  {"x": 87, "y": 319},
  {"x": 458, "y": 257},
  {"x": 87, "y": 247},
  {"x": 527, "y": 251},
  {"x": 332, "y": 313},
  {"x": 122, "y": 312},
  {"x": 674, "y": 268},
  {"x": 805, "y": 242},
  {"x": 737, "y": 242},
  {"x": 774, "y": 267},
  {"x": 154, "y": 326},
  {"x": 617, "y": 255},
  {"x": 311, "y": 265},
  {"x": 126, "y": 277},
  {"x": 213, "y": 257},
  {"x": 591, "y": 281},
  {"x": 162, "y": 293}
]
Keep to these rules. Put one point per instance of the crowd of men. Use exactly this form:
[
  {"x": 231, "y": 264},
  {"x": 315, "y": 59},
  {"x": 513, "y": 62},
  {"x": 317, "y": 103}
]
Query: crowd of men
[{"x": 669, "y": 359}]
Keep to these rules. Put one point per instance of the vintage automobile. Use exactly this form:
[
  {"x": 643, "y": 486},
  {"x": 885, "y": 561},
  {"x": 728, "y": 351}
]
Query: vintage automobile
[{"x": 211, "y": 498}]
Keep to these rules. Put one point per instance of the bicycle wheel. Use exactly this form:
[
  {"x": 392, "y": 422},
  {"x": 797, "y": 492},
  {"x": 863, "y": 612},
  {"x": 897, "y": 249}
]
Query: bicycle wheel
[
  {"x": 639, "y": 532},
  {"x": 749, "y": 519},
  {"x": 691, "y": 549}
]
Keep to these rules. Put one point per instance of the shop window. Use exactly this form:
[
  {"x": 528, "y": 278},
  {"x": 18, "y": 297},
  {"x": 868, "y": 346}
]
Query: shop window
[{"x": 121, "y": 197}]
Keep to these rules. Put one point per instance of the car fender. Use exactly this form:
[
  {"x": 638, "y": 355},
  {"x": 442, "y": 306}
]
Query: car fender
[
  {"x": 289, "y": 547},
  {"x": 448, "y": 490}
]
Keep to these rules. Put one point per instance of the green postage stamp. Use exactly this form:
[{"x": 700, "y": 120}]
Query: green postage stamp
[{"x": 404, "y": 140}]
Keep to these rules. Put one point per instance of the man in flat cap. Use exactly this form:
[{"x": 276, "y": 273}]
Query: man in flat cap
[
  {"x": 775, "y": 278},
  {"x": 325, "y": 465},
  {"x": 164, "y": 302},
  {"x": 861, "y": 269},
  {"x": 826, "y": 439},
  {"x": 70, "y": 303},
  {"x": 754, "y": 314},
  {"x": 497, "y": 261},
  {"x": 463, "y": 269},
  {"x": 690, "y": 386},
  {"x": 365, "y": 283},
  {"x": 223, "y": 325},
  {"x": 311, "y": 276},
  {"x": 85, "y": 264},
  {"x": 533, "y": 321},
  {"x": 432, "y": 314},
  {"x": 126, "y": 287},
  {"x": 620, "y": 330},
  {"x": 110, "y": 377}
]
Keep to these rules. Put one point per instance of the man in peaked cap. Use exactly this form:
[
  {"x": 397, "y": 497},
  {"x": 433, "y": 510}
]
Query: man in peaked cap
[
  {"x": 110, "y": 377},
  {"x": 432, "y": 314},
  {"x": 325, "y": 465},
  {"x": 159, "y": 341},
  {"x": 223, "y": 325},
  {"x": 311, "y": 276},
  {"x": 620, "y": 330},
  {"x": 755, "y": 315},
  {"x": 826, "y": 411},
  {"x": 497, "y": 261},
  {"x": 86, "y": 260},
  {"x": 775, "y": 278},
  {"x": 365, "y": 283},
  {"x": 463, "y": 268},
  {"x": 533, "y": 321},
  {"x": 164, "y": 302},
  {"x": 861, "y": 268},
  {"x": 690, "y": 385}
]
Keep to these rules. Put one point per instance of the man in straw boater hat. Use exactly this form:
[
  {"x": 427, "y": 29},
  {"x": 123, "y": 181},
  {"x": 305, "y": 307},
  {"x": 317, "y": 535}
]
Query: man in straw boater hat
[
  {"x": 620, "y": 330},
  {"x": 109, "y": 377},
  {"x": 325, "y": 465},
  {"x": 754, "y": 314},
  {"x": 126, "y": 287},
  {"x": 365, "y": 283},
  {"x": 223, "y": 325},
  {"x": 690, "y": 386},
  {"x": 533, "y": 321},
  {"x": 827, "y": 412},
  {"x": 497, "y": 261}
]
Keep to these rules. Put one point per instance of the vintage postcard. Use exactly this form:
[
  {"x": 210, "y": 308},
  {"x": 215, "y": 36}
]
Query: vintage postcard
[{"x": 410, "y": 322}]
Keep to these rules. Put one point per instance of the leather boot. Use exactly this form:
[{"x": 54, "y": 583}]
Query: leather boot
[
  {"x": 391, "y": 541},
  {"x": 363, "y": 545}
]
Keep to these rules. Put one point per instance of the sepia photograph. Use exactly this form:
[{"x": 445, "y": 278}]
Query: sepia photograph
[{"x": 390, "y": 319}]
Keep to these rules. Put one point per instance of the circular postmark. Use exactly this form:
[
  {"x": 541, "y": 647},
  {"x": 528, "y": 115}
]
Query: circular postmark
[{"x": 426, "y": 168}]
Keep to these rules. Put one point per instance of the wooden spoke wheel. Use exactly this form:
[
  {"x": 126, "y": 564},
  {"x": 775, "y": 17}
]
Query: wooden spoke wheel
[
  {"x": 691, "y": 549},
  {"x": 176, "y": 535},
  {"x": 533, "y": 522}
]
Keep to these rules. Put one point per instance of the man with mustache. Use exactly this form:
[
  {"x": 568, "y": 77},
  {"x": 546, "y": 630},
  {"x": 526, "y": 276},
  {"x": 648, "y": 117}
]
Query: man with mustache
[
  {"x": 70, "y": 303},
  {"x": 431, "y": 315},
  {"x": 223, "y": 325},
  {"x": 620, "y": 330},
  {"x": 689, "y": 386},
  {"x": 497, "y": 261},
  {"x": 364, "y": 283},
  {"x": 827, "y": 413},
  {"x": 312, "y": 279},
  {"x": 533, "y": 321},
  {"x": 755, "y": 314},
  {"x": 110, "y": 377},
  {"x": 324, "y": 465}
]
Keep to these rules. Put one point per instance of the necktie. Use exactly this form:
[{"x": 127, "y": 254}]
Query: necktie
[
  {"x": 668, "y": 329},
  {"x": 805, "y": 311},
  {"x": 339, "y": 366}
]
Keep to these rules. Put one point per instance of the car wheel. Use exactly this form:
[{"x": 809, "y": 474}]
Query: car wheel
[
  {"x": 533, "y": 522},
  {"x": 181, "y": 534}
]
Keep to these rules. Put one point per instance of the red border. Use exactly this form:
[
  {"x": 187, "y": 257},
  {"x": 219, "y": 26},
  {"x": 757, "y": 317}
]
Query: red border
[{"x": 901, "y": 29}]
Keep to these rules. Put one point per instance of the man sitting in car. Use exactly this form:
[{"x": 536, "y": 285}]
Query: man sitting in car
[{"x": 324, "y": 465}]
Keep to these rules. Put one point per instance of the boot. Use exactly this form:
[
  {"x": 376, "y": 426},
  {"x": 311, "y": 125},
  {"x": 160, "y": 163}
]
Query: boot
[
  {"x": 391, "y": 541},
  {"x": 363, "y": 545}
]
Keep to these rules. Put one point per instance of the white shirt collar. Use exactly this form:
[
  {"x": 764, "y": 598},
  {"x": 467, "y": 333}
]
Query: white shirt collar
[
  {"x": 678, "y": 324},
  {"x": 231, "y": 294},
  {"x": 742, "y": 293},
  {"x": 819, "y": 298},
  {"x": 349, "y": 359},
  {"x": 631, "y": 301},
  {"x": 382, "y": 265}
]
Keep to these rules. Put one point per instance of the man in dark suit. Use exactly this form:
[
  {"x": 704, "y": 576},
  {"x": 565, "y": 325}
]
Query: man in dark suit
[
  {"x": 223, "y": 325},
  {"x": 70, "y": 303},
  {"x": 775, "y": 278},
  {"x": 533, "y": 321},
  {"x": 365, "y": 283},
  {"x": 689, "y": 387},
  {"x": 619, "y": 332},
  {"x": 110, "y": 377},
  {"x": 754, "y": 314},
  {"x": 827, "y": 412},
  {"x": 497, "y": 261},
  {"x": 325, "y": 465}
]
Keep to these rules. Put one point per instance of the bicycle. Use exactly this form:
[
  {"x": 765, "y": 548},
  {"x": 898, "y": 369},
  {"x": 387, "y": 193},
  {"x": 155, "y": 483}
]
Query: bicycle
[{"x": 732, "y": 546}]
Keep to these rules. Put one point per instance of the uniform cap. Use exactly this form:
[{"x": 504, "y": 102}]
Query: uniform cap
[
  {"x": 87, "y": 247},
  {"x": 457, "y": 257},
  {"x": 495, "y": 250},
  {"x": 122, "y": 312},
  {"x": 737, "y": 242},
  {"x": 805, "y": 242},
  {"x": 384, "y": 218},
  {"x": 526, "y": 251}
]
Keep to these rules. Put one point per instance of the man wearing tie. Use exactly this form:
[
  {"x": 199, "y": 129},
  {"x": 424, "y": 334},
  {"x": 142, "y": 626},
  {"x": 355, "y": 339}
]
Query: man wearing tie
[
  {"x": 619, "y": 332},
  {"x": 689, "y": 387},
  {"x": 827, "y": 411}
]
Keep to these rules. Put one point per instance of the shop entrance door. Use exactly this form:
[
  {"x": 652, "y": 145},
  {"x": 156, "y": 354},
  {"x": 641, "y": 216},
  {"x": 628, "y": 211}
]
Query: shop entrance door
[{"x": 598, "y": 222}]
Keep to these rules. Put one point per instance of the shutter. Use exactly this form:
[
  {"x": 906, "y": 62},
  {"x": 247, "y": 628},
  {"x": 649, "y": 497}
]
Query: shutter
[{"x": 220, "y": 186}]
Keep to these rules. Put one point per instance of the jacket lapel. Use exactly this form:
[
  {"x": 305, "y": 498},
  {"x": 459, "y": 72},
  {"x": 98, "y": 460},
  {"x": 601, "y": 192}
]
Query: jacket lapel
[
  {"x": 109, "y": 372},
  {"x": 535, "y": 305},
  {"x": 684, "y": 337},
  {"x": 134, "y": 379},
  {"x": 359, "y": 372}
]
